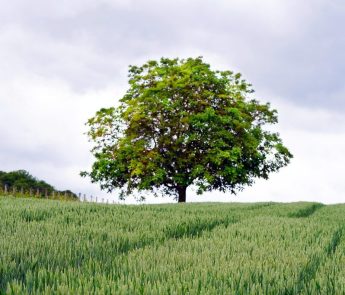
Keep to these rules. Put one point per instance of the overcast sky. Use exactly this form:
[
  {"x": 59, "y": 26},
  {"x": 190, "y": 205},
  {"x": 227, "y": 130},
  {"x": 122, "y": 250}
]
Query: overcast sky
[{"x": 62, "y": 60}]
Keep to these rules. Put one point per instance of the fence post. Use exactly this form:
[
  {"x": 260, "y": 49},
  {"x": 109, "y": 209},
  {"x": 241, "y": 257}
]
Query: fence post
[
  {"x": 84, "y": 198},
  {"x": 38, "y": 192},
  {"x": 30, "y": 192},
  {"x": 22, "y": 191},
  {"x": 5, "y": 189},
  {"x": 79, "y": 196},
  {"x": 53, "y": 193}
]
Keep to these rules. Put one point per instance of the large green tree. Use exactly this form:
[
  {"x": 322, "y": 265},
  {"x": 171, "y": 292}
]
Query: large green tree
[{"x": 183, "y": 124}]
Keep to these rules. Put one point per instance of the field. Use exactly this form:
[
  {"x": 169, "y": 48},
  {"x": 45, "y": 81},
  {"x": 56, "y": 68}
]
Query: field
[{"x": 56, "y": 247}]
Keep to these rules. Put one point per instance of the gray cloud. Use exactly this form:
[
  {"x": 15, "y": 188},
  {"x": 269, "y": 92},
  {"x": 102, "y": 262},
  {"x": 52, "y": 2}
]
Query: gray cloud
[{"x": 292, "y": 48}]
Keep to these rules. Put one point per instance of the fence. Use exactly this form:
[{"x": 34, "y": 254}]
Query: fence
[{"x": 48, "y": 194}]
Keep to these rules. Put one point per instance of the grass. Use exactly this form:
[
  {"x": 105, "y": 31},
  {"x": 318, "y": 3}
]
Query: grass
[{"x": 54, "y": 247}]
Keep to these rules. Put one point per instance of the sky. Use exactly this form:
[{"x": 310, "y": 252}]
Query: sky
[{"x": 63, "y": 60}]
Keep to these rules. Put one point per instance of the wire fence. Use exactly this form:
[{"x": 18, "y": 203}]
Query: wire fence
[{"x": 44, "y": 193}]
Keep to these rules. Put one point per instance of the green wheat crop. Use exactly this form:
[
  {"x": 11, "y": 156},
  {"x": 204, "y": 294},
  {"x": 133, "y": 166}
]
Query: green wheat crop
[{"x": 55, "y": 247}]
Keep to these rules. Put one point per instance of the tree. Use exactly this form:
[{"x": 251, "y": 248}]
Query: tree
[
  {"x": 180, "y": 124},
  {"x": 22, "y": 179}
]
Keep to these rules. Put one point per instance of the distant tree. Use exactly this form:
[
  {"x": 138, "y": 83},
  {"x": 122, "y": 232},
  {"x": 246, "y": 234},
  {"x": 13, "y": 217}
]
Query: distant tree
[
  {"x": 22, "y": 179},
  {"x": 182, "y": 124}
]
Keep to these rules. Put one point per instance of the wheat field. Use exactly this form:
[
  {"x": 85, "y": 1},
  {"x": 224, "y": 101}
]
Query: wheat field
[{"x": 56, "y": 247}]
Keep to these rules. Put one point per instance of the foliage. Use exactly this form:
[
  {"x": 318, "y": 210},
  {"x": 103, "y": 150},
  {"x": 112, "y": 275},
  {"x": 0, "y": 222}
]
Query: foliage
[
  {"x": 79, "y": 248},
  {"x": 180, "y": 124},
  {"x": 23, "y": 179},
  {"x": 24, "y": 182}
]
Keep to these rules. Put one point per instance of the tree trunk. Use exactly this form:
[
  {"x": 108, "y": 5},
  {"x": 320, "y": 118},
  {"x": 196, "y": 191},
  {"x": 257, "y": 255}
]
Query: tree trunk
[{"x": 181, "y": 194}]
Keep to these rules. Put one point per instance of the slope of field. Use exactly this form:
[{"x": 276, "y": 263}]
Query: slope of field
[{"x": 53, "y": 247}]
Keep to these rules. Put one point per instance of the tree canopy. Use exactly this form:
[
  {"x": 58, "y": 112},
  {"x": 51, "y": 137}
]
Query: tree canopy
[
  {"x": 23, "y": 179},
  {"x": 183, "y": 124}
]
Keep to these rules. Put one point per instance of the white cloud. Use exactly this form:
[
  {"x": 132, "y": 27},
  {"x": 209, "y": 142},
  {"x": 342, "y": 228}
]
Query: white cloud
[
  {"x": 42, "y": 126},
  {"x": 78, "y": 64}
]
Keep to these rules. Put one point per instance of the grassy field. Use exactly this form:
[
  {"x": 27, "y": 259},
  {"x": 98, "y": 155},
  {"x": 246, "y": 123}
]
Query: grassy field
[{"x": 54, "y": 247}]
